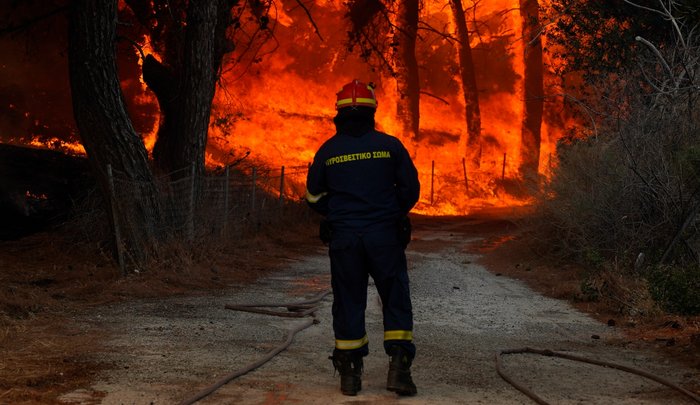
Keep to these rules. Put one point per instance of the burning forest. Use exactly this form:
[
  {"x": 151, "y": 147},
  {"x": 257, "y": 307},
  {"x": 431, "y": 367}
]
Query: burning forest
[
  {"x": 173, "y": 148},
  {"x": 485, "y": 95},
  {"x": 461, "y": 84}
]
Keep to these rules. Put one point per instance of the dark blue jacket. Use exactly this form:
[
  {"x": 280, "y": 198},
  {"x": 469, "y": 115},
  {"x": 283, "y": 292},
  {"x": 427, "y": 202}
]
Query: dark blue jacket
[{"x": 362, "y": 182}]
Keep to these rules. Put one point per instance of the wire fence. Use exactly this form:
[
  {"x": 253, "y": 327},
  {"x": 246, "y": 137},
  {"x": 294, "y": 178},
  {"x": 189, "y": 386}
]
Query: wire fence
[
  {"x": 182, "y": 206},
  {"x": 454, "y": 184},
  {"x": 232, "y": 201}
]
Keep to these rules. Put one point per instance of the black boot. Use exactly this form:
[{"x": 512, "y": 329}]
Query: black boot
[
  {"x": 350, "y": 369},
  {"x": 399, "y": 379}
]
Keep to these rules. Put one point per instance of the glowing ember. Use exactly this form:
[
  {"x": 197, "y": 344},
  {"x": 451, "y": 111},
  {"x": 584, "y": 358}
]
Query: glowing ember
[
  {"x": 33, "y": 196},
  {"x": 53, "y": 143}
]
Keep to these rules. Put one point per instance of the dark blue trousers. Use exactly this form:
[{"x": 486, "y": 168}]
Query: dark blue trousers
[{"x": 354, "y": 257}]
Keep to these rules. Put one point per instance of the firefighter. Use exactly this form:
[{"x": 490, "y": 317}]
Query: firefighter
[{"x": 364, "y": 183}]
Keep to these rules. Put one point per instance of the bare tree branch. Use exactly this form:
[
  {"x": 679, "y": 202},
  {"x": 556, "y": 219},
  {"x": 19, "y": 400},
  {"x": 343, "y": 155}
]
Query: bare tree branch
[
  {"x": 311, "y": 19},
  {"x": 379, "y": 53},
  {"x": 658, "y": 54},
  {"x": 435, "y": 97},
  {"x": 588, "y": 110},
  {"x": 135, "y": 44},
  {"x": 666, "y": 13},
  {"x": 422, "y": 25}
]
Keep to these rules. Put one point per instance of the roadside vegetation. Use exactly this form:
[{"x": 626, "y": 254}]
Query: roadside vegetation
[{"x": 624, "y": 198}]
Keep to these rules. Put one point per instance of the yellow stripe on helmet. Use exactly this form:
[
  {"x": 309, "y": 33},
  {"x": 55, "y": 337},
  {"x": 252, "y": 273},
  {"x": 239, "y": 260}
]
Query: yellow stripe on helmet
[{"x": 358, "y": 101}]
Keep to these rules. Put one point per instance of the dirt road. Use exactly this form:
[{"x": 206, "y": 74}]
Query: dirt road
[{"x": 163, "y": 351}]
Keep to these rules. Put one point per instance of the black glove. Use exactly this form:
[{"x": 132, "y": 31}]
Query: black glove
[
  {"x": 325, "y": 231},
  {"x": 404, "y": 231}
]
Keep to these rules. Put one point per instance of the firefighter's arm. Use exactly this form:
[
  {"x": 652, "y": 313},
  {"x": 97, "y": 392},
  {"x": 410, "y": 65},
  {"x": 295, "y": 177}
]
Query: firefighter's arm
[
  {"x": 316, "y": 190},
  {"x": 407, "y": 184}
]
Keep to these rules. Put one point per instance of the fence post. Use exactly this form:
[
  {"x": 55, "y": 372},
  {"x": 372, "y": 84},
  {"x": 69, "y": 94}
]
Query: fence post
[
  {"x": 466, "y": 179},
  {"x": 503, "y": 172},
  {"x": 307, "y": 212},
  {"x": 226, "y": 187},
  {"x": 282, "y": 187},
  {"x": 253, "y": 210},
  {"x": 117, "y": 233},
  {"x": 432, "y": 181},
  {"x": 190, "y": 208},
  {"x": 252, "y": 193}
]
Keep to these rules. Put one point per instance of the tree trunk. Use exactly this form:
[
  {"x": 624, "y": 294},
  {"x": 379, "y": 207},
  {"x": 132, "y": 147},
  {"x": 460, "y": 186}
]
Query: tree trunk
[
  {"x": 534, "y": 90},
  {"x": 185, "y": 84},
  {"x": 105, "y": 129},
  {"x": 471, "y": 95},
  {"x": 406, "y": 68}
]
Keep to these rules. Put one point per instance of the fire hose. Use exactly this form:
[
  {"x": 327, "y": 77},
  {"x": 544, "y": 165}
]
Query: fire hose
[
  {"x": 550, "y": 353},
  {"x": 295, "y": 310},
  {"x": 305, "y": 308}
]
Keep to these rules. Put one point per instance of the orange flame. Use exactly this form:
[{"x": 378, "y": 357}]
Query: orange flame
[{"x": 282, "y": 111}]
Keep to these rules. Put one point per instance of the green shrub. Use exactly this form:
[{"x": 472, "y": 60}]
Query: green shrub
[{"x": 676, "y": 289}]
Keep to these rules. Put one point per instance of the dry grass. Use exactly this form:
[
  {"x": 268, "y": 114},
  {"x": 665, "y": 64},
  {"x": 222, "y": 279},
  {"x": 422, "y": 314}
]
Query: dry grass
[
  {"x": 46, "y": 277},
  {"x": 42, "y": 358}
]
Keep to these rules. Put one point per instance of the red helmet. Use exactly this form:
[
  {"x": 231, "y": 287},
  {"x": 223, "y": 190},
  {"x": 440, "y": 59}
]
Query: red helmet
[{"x": 356, "y": 93}]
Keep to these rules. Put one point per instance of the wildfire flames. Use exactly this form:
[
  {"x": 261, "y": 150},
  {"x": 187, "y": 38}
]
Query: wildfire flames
[{"x": 280, "y": 109}]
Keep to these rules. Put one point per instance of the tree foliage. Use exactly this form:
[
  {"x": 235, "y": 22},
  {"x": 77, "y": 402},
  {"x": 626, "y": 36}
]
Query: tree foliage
[
  {"x": 370, "y": 26},
  {"x": 597, "y": 38}
]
